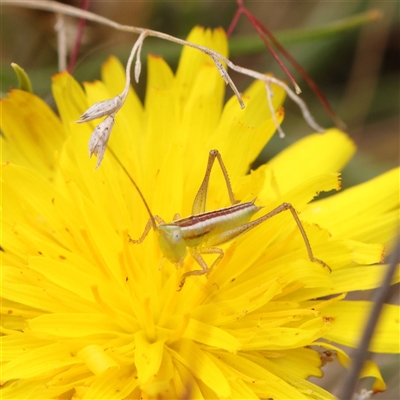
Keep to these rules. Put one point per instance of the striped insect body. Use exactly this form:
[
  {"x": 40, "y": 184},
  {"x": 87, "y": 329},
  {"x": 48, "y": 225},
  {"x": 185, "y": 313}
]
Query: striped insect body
[{"x": 204, "y": 231}]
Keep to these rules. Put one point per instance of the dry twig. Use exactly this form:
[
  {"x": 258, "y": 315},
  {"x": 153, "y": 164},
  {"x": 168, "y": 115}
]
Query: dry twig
[{"x": 111, "y": 107}]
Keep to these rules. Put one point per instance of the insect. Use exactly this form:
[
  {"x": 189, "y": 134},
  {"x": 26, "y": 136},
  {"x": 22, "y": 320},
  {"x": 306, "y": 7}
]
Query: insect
[{"x": 203, "y": 231}]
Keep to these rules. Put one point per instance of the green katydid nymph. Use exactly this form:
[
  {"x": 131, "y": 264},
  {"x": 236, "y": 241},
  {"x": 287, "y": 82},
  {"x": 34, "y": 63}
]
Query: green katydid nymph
[{"x": 203, "y": 231}]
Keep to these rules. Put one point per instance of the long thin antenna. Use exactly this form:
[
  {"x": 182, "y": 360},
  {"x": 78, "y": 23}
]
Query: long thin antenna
[{"x": 153, "y": 221}]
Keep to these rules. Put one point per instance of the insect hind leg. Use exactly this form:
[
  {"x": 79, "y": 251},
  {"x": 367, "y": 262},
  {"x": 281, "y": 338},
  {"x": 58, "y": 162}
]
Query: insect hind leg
[
  {"x": 278, "y": 210},
  {"x": 288, "y": 206},
  {"x": 199, "y": 203}
]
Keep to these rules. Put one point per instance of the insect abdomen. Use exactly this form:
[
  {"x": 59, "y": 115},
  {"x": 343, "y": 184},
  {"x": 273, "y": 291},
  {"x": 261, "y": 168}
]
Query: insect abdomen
[{"x": 197, "y": 229}]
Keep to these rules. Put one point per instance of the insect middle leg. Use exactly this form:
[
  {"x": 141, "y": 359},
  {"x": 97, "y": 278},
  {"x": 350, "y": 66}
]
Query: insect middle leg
[{"x": 196, "y": 254}]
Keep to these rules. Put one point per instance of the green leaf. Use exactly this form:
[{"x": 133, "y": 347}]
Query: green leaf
[
  {"x": 23, "y": 78},
  {"x": 243, "y": 45}
]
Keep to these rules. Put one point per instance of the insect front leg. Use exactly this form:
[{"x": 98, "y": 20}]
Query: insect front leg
[
  {"x": 199, "y": 203},
  {"x": 196, "y": 254},
  {"x": 149, "y": 225}
]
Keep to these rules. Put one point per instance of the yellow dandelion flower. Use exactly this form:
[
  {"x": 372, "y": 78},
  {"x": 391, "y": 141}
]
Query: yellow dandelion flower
[{"x": 87, "y": 315}]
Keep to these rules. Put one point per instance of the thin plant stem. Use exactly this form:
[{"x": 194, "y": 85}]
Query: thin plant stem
[
  {"x": 381, "y": 296},
  {"x": 78, "y": 39},
  {"x": 267, "y": 36},
  {"x": 61, "y": 41}
]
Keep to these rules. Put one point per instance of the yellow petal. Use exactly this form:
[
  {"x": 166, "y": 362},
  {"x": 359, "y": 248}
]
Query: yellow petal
[
  {"x": 192, "y": 60},
  {"x": 241, "y": 390},
  {"x": 34, "y": 296},
  {"x": 129, "y": 119},
  {"x": 185, "y": 383},
  {"x": 241, "y": 135},
  {"x": 43, "y": 360},
  {"x": 32, "y": 134},
  {"x": 205, "y": 94},
  {"x": 45, "y": 211},
  {"x": 349, "y": 319},
  {"x": 303, "y": 193},
  {"x": 148, "y": 356},
  {"x": 70, "y": 98},
  {"x": 342, "y": 356},
  {"x": 300, "y": 363},
  {"x": 365, "y": 205},
  {"x": 345, "y": 252},
  {"x": 202, "y": 367},
  {"x": 316, "y": 154},
  {"x": 73, "y": 325},
  {"x": 260, "y": 380},
  {"x": 161, "y": 120},
  {"x": 113, "y": 76},
  {"x": 25, "y": 389},
  {"x": 16, "y": 345},
  {"x": 256, "y": 93},
  {"x": 353, "y": 278},
  {"x": 371, "y": 369},
  {"x": 96, "y": 359},
  {"x": 161, "y": 139},
  {"x": 211, "y": 335},
  {"x": 295, "y": 366},
  {"x": 287, "y": 338},
  {"x": 361, "y": 278},
  {"x": 113, "y": 383}
]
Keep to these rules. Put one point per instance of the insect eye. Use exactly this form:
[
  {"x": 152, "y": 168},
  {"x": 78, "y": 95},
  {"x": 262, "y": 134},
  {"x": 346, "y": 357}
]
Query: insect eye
[{"x": 177, "y": 236}]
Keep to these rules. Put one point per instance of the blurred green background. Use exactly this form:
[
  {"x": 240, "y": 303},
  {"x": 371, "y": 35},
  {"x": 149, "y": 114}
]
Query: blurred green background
[{"x": 357, "y": 70}]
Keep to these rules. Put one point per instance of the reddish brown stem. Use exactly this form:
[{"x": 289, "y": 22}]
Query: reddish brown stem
[
  {"x": 266, "y": 35},
  {"x": 235, "y": 19},
  {"x": 261, "y": 32},
  {"x": 78, "y": 39},
  {"x": 313, "y": 86},
  {"x": 258, "y": 26}
]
